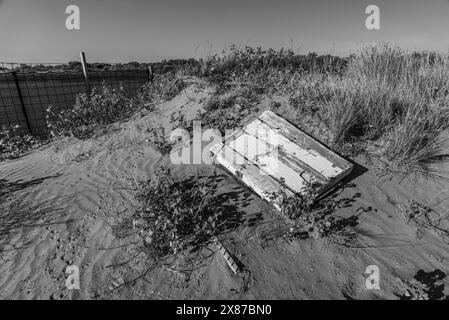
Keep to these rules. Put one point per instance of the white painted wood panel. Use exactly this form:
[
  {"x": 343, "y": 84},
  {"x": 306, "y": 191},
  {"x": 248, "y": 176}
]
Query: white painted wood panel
[
  {"x": 267, "y": 158},
  {"x": 312, "y": 159},
  {"x": 262, "y": 184},
  {"x": 270, "y": 152},
  {"x": 302, "y": 139}
]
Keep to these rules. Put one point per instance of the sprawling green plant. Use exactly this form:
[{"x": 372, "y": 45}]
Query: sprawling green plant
[
  {"x": 14, "y": 141},
  {"x": 103, "y": 105},
  {"x": 296, "y": 205},
  {"x": 226, "y": 112},
  {"x": 248, "y": 61},
  {"x": 164, "y": 87},
  {"x": 176, "y": 216}
]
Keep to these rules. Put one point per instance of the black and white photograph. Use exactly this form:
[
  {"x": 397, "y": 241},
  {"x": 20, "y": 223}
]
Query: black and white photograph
[{"x": 224, "y": 156}]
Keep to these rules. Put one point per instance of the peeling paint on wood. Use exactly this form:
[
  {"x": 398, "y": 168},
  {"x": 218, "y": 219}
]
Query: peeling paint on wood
[{"x": 270, "y": 152}]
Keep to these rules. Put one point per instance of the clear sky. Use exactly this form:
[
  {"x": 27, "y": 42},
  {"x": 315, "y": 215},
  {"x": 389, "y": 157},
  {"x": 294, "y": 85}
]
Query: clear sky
[{"x": 150, "y": 30}]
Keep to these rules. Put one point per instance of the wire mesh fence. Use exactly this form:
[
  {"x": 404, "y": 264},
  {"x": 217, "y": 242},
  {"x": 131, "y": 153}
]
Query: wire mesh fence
[{"x": 25, "y": 96}]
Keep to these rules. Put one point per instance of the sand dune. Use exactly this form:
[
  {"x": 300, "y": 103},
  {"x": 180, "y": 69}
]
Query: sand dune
[{"x": 57, "y": 203}]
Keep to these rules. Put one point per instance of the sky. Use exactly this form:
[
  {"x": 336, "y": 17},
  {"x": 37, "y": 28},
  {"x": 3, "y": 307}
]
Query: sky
[{"x": 149, "y": 31}]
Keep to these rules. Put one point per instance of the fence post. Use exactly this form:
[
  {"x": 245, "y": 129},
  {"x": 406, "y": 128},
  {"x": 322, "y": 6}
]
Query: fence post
[
  {"x": 19, "y": 92},
  {"x": 84, "y": 65},
  {"x": 150, "y": 73}
]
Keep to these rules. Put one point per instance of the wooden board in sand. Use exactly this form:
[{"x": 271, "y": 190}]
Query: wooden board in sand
[{"x": 270, "y": 152}]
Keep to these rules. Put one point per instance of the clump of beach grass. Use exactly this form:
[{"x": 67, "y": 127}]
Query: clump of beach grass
[{"x": 394, "y": 102}]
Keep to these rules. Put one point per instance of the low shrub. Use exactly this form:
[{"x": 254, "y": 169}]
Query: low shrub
[
  {"x": 164, "y": 87},
  {"x": 103, "y": 105},
  {"x": 294, "y": 206},
  {"x": 175, "y": 217},
  {"x": 321, "y": 222},
  {"x": 14, "y": 141},
  {"x": 226, "y": 112},
  {"x": 311, "y": 219},
  {"x": 424, "y": 218},
  {"x": 238, "y": 62}
]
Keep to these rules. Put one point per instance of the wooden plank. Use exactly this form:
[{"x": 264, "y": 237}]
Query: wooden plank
[
  {"x": 270, "y": 154},
  {"x": 305, "y": 158},
  {"x": 250, "y": 147},
  {"x": 228, "y": 258},
  {"x": 275, "y": 167},
  {"x": 264, "y": 185},
  {"x": 266, "y": 157},
  {"x": 292, "y": 133},
  {"x": 84, "y": 66}
]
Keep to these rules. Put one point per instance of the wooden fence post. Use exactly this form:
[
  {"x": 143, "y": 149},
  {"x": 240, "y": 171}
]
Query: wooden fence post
[
  {"x": 150, "y": 73},
  {"x": 19, "y": 92},
  {"x": 84, "y": 65}
]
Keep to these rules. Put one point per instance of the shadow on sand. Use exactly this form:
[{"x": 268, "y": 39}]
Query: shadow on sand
[
  {"x": 424, "y": 286},
  {"x": 21, "y": 215}
]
